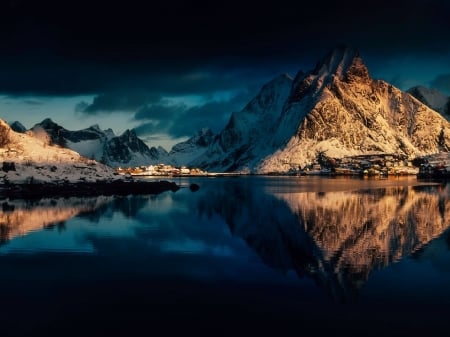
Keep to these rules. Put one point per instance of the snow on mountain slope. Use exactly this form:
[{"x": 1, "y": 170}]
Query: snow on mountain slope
[
  {"x": 129, "y": 150},
  {"x": 248, "y": 133},
  {"x": 27, "y": 159},
  {"x": 183, "y": 153},
  {"x": 336, "y": 108},
  {"x": 432, "y": 98},
  {"x": 102, "y": 145}
]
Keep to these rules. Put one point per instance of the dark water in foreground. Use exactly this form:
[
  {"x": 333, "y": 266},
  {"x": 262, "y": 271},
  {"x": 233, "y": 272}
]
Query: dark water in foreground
[{"x": 241, "y": 256}]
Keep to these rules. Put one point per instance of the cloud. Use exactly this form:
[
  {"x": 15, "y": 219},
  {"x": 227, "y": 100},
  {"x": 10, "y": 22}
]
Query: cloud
[
  {"x": 161, "y": 111},
  {"x": 442, "y": 83},
  {"x": 179, "y": 120},
  {"x": 139, "y": 92},
  {"x": 146, "y": 128},
  {"x": 118, "y": 101},
  {"x": 32, "y": 102},
  {"x": 213, "y": 114}
]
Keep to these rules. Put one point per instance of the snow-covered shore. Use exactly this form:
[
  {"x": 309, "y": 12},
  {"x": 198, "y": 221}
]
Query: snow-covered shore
[{"x": 31, "y": 167}]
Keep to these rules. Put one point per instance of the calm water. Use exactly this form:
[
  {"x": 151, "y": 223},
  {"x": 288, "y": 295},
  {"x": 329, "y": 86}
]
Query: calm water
[{"x": 241, "y": 256}]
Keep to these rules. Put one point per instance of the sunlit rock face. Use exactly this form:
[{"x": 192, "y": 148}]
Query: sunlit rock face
[
  {"x": 20, "y": 217},
  {"x": 31, "y": 158},
  {"x": 337, "y": 108},
  {"x": 357, "y": 232},
  {"x": 337, "y": 237}
]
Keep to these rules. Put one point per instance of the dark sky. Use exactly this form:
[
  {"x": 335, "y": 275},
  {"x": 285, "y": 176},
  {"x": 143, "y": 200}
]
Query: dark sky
[{"x": 176, "y": 66}]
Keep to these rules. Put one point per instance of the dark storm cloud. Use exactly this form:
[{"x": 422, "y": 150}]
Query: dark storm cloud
[
  {"x": 160, "y": 112},
  {"x": 147, "y": 129},
  {"x": 123, "y": 101},
  {"x": 146, "y": 91},
  {"x": 442, "y": 83},
  {"x": 96, "y": 47},
  {"x": 180, "y": 121}
]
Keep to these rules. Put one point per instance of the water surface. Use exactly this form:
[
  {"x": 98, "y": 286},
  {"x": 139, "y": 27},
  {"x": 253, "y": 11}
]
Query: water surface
[{"x": 241, "y": 256}]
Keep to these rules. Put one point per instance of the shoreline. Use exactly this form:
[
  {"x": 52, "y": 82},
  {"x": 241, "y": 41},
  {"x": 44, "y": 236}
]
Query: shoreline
[{"x": 83, "y": 189}]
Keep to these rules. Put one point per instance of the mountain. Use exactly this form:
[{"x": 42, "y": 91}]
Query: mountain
[
  {"x": 101, "y": 145},
  {"x": 183, "y": 153},
  {"x": 247, "y": 136},
  {"x": 128, "y": 149},
  {"x": 18, "y": 127},
  {"x": 28, "y": 159},
  {"x": 432, "y": 98},
  {"x": 336, "y": 108}
]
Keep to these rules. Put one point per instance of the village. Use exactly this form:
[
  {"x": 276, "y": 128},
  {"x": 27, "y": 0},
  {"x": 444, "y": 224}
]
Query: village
[
  {"x": 380, "y": 164},
  {"x": 161, "y": 170}
]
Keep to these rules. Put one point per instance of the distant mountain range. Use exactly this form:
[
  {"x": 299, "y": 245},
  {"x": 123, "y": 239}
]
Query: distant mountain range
[
  {"x": 124, "y": 150},
  {"x": 336, "y": 109}
]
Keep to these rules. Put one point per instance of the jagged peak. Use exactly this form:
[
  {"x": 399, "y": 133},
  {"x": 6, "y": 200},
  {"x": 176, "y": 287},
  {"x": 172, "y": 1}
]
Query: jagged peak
[
  {"x": 48, "y": 121},
  {"x": 18, "y": 127},
  {"x": 276, "y": 81},
  {"x": 131, "y": 133},
  {"x": 342, "y": 61},
  {"x": 269, "y": 94},
  {"x": 95, "y": 127}
]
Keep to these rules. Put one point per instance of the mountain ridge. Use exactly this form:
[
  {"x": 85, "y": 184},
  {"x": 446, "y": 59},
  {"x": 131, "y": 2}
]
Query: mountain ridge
[{"x": 336, "y": 108}]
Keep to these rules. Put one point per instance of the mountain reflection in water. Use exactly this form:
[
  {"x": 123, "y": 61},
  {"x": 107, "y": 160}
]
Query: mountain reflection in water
[
  {"x": 258, "y": 253},
  {"x": 337, "y": 237}
]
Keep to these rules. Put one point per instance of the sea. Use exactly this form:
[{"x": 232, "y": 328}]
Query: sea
[{"x": 240, "y": 256}]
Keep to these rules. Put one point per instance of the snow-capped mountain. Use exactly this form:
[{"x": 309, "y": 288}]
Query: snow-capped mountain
[
  {"x": 432, "y": 98},
  {"x": 247, "y": 136},
  {"x": 101, "y": 145},
  {"x": 182, "y": 153},
  {"x": 336, "y": 108},
  {"x": 129, "y": 150},
  {"x": 27, "y": 159}
]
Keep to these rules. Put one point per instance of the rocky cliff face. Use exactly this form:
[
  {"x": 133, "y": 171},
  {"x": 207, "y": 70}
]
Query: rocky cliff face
[
  {"x": 336, "y": 108},
  {"x": 101, "y": 145},
  {"x": 128, "y": 149}
]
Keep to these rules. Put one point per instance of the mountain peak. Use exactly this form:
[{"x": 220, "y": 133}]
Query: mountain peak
[
  {"x": 95, "y": 127},
  {"x": 344, "y": 62},
  {"x": 47, "y": 122},
  {"x": 18, "y": 127}
]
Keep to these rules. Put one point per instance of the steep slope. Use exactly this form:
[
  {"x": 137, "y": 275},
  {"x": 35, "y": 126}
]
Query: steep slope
[
  {"x": 336, "y": 108},
  {"x": 101, "y": 145},
  {"x": 128, "y": 149},
  {"x": 432, "y": 98},
  {"x": 183, "y": 153},
  {"x": 246, "y": 138}
]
